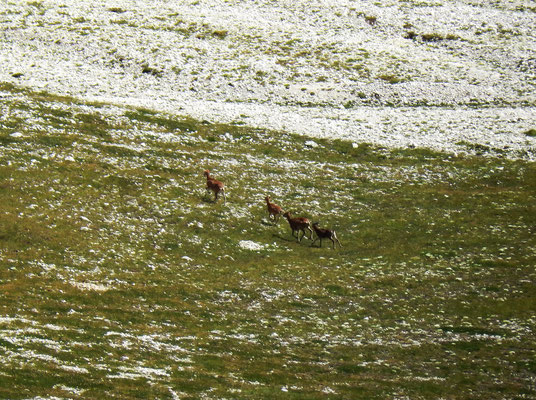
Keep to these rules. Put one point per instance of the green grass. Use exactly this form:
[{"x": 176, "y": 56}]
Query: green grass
[
  {"x": 120, "y": 278},
  {"x": 531, "y": 133}
]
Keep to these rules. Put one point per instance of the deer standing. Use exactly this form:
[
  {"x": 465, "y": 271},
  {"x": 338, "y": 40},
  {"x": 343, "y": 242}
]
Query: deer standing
[
  {"x": 273, "y": 210},
  {"x": 215, "y": 186},
  {"x": 299, "y": 224},
  {"x": 323, "y": 233}
]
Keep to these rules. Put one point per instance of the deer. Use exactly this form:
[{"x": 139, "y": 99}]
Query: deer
[
  {"x": 215, "y": 186},
  {"x": 273, "y": 210},
  {"x": 324, "y": 233},
  {"x": 299, "y": 224}
]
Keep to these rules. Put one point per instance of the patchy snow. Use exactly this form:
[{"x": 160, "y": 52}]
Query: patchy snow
[
  {"x": 250, "y": 245},
  {"x": 397, "y": 74},
  {"x": 139, "y": 372},
  {"x": 72, "y": 368},
  {"x": 90, "y": 286}
]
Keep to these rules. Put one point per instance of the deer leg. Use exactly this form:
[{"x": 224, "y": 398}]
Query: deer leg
[{"x": 337, "y": 239}]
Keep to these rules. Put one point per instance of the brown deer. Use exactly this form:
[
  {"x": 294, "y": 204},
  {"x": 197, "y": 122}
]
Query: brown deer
[
  {"x": 273, "y": 210},
  {"x": 299, "y": 224},
  {"x": 215, "y": 186},
  {"x": 323, "y": 233}
]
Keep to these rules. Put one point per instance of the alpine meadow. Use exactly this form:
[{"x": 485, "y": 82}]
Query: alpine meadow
[{"x": 145, "y": 147}]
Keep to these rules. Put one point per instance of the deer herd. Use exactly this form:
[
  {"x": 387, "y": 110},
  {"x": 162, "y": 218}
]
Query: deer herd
[{"x": 297, "y": 224}]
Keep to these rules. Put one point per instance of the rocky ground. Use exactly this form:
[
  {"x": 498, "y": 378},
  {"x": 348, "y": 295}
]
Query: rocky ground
[{"x": 448, "y": 75}]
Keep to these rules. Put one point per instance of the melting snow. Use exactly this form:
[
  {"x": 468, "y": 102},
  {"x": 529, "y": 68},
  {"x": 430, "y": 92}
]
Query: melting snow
[
  {"x": 331, "y": 79},
  {"x": 250, "y": 245},
  {"x": 90, "y": 286}
]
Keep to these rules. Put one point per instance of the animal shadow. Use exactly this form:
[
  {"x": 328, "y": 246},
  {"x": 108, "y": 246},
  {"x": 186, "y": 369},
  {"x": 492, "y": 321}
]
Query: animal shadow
[{"x": 285, "y": 239}]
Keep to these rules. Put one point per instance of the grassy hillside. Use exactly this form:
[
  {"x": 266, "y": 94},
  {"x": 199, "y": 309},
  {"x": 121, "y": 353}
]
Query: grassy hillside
[{"x": 120, "y": 278}]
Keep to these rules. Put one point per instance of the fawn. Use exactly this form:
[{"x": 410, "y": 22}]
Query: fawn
[
  {"x": 323, "y": 233},
  {"x": 215, "y": 186}
]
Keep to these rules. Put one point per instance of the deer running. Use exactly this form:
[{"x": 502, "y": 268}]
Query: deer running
[
  {"x": 215, "y": 186},
  {"x": 273, "y": 210},
  {"x": 323, "y": 233},
  {"x": 299, "y": 224}
]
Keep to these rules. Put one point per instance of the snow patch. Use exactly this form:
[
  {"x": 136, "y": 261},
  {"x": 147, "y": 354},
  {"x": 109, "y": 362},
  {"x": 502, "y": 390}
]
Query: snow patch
[
  {"x": 90, "y": 286},
  {"x": 250, "y": 245}
]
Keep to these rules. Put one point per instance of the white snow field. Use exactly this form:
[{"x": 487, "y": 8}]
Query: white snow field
[{"x": 441, "y": 74}]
